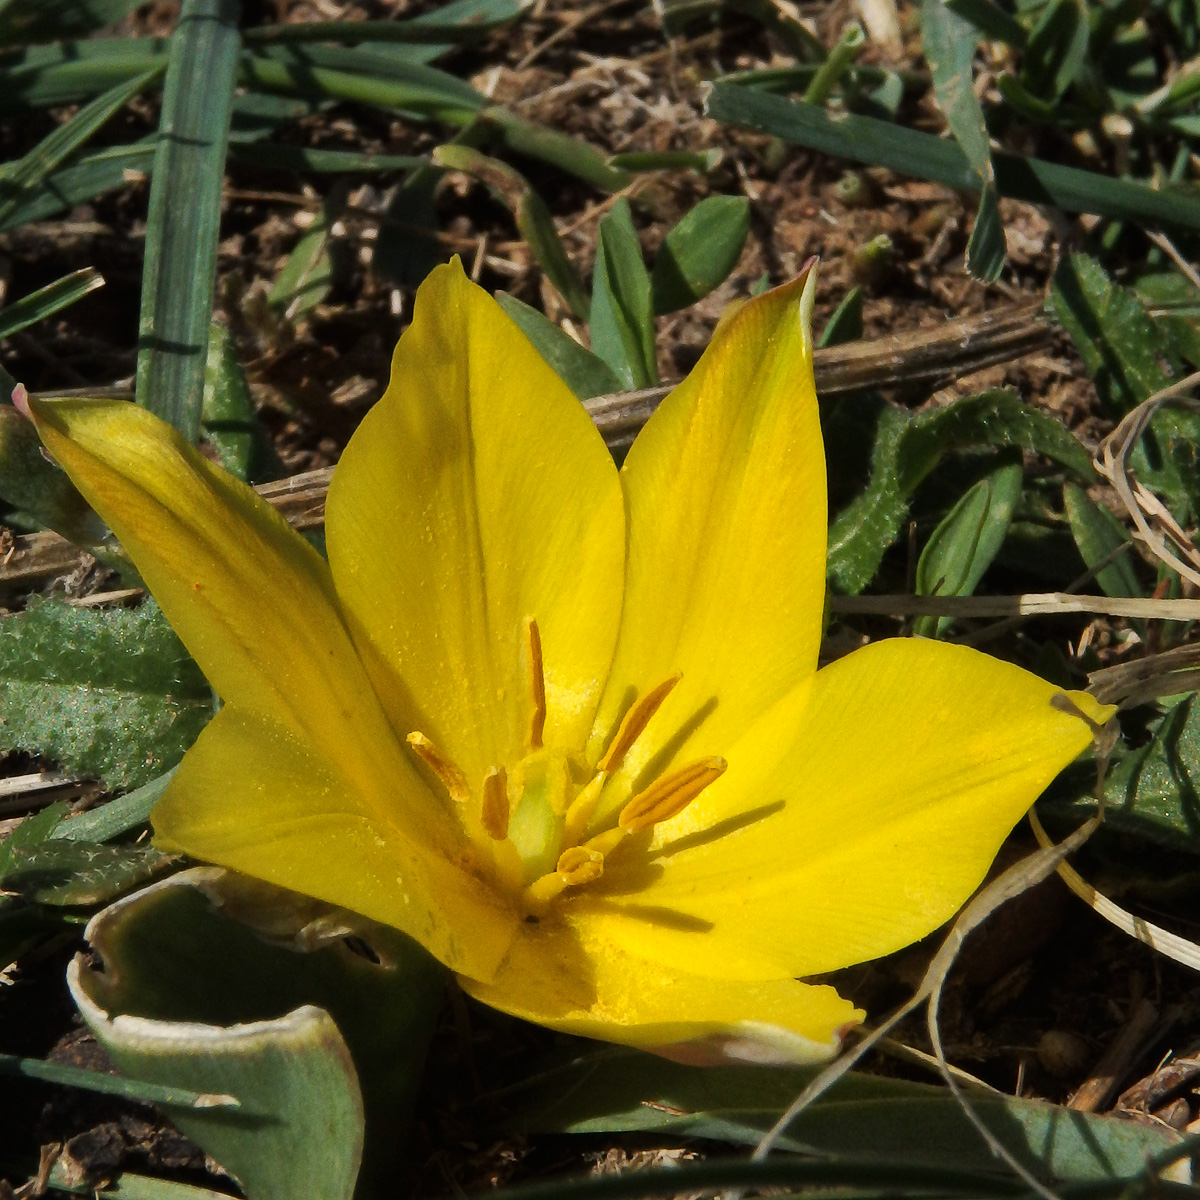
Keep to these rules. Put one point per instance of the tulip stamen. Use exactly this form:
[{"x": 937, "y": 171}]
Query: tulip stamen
[
  {"x": 537, "y": 683},
  {"x": 449, "y": 773},
  {"x": 669, "y": 796},
  {"x": 494, "y": 811},
  {"x": 635, "y": 721},
  {"x": 576, "y": 865}
]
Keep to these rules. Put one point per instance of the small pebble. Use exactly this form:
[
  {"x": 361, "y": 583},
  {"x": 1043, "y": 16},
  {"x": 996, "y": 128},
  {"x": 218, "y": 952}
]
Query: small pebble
[{"x": 1063, "y": 1055}]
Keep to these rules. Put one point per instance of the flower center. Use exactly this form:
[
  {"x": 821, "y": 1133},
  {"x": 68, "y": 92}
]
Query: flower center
[{"x": 534, "y": 813}]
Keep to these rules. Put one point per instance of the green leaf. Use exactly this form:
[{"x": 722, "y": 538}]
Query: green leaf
[
  {"x": 991, "y": 20},
  {"x": 846, "y": 323},
  {"x": 107, "y": 693},
  {"x": 1098, "y": 534},
  {"x": 108, "y": 1085},
  {"x": 116, "y": 817},
  {"x": 228, "y": 419},
  {"x": 1056, "y": 50},
  {"x": 950, "y": 42},
  {"x": 69, "y": 873},
  {"x": 1152, "y": 792},
  {"x": 966, "y": 542},
  {"x": 1123, "y": 351},
  {"x": 20, "y": 177},
  {"x": 48, "y": 300},
  {"x": 31, "y": 833},
  {"x": 907, "y": 448},
  {"x": 222, "y": 1008},
  {"x": 533, "y": 220},
  {"x": 861, "y": 1119},
  {"x": 622, "y": 314},
  {"x": 584, "y": 373},
  {"x": 703, "y": 161},
  {"x": 36, "y": 20},
  {"x": 94, "y": 175},
  {"x": 699, "y": 252},
  {"x": 183, "y": 222},
  {"x": 305, "y": 278},
  {"x": 911, "y": 152},
  {"x": 41, "y": 489}
]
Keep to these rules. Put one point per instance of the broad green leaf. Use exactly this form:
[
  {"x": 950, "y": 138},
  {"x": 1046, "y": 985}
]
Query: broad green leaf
[
  {"x": 906, "y": 448},
  {"x": 846, "y": 323},
  {"x": 1151, "y": 792},
  {"x": 48, "y": 300},
  {"x": 950, "y": 42},
  {"x": 180, "y": 957},
  {"x": 183, "y": 222},
  {"x": 533, "y": 220},
  {"x": 227, "y": 414},
  {"x": 622, "y": 313},
  {"x": 1112, "y": 332},
  {"x": 110, "y": 693},
  {"x": 926, "y": 156},
  {"x": 1056, "y": 50},
  {"x": 861, "y": 532},
  {"x": 69, "y": 873},
  {"x": 36, "y": 20},
  {"x": 40, "y": 489},
  {"x": 861, "y": 1119},
  {"x": 32, "y": 832},
  {"x": 1098, "y": 534},
  {"x": 699, "y": 252},
  {"x": 128, "y": 1186},
  {"x": 966, "y": 542},
  {"x": 584, "y": 373},
  {"x": 1129, "y": 357}
]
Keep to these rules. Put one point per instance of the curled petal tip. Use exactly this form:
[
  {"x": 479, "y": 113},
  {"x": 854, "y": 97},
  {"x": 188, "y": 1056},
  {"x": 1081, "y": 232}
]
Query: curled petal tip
[{"x": 20, "y": 399}]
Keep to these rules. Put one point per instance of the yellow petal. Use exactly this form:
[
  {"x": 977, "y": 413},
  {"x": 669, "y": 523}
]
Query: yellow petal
[
  {"x": 252, "y": 601},
  {"x": 255, "y": 797},
  {"x": 477, "y": 494},
  {"x": 854, "y": 818},
  {"x": 580, "y": 981},
  {"x": 725, "y": 581}
]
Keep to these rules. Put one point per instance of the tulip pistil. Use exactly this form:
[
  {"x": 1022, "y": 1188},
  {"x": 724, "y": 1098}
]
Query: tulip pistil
[{"x": 534, "y": 814}]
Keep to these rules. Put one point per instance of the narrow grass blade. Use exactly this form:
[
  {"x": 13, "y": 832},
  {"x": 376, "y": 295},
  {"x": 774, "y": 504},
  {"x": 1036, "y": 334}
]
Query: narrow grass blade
[
  {"x": 307, "y": 72},
  {"x": 110, "y": 1085},
  {"x": 93, "y": 175},
  {"x": 570, "y": 154},
  {"x": 185, "y": 212},
  {"x": 48, "y": 300},
  {"x": 910, "y": 152},
  {"x": 355, "y": 33},
  {"x": 18, "y": 178},
  {"x": 320, "y": 162},
  {"x": 950, "y": 42},
  {"x": 34, "y": 20},
  {"x": 69, "y": 72},
  {"x": 533, "y": 219},
  {"x": 115, "y": 818}
]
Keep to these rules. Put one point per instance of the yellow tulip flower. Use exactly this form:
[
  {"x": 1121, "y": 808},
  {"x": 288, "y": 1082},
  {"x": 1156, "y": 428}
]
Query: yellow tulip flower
[{"x": 563, "y": 724}]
